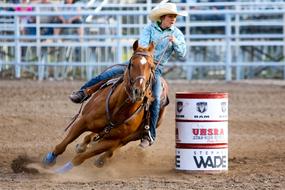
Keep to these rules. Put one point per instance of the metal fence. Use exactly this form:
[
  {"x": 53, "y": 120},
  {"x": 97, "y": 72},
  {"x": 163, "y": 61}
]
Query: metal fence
[{"x": 229, "y": 41}]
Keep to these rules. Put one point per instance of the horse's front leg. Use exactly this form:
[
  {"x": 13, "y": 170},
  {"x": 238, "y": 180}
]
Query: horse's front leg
[
  {"x": 76, "y": 130},
  {"x": 100, "y": 147},
  {"x": 87, "y": 139}
]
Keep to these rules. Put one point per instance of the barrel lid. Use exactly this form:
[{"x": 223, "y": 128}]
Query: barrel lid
[{"x": 202, "y": 95}]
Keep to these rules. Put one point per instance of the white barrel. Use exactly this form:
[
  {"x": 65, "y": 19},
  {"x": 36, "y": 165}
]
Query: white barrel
[{"x": 202, "y": 131}]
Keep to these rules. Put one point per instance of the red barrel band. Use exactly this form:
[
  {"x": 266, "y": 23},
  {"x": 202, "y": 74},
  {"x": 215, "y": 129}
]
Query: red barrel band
[
  {"x": 193, "y": 121},
  {"x": 202, "y": 95},
  {"x": 202, "y": 146}
]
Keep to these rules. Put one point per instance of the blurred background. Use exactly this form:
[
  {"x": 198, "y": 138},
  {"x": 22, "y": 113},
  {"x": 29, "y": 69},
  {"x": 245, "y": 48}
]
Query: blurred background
[{"x": 226, "y": 40}]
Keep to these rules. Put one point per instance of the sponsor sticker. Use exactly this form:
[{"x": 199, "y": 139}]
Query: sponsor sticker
[
  {"x": 202, "y": 159},
  {"x": 202, "y": 109},
  {"x": 202, "y": 132}
]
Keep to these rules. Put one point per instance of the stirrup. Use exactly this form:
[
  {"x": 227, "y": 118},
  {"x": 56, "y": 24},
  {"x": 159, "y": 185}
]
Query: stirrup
[{"x": 149, "y": 136}]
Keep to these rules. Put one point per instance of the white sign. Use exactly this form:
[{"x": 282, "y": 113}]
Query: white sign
[
  {"x": 202, "y": 159},
  {"x": 202, "y": 132},
  {"x": 202, "y": 109}
]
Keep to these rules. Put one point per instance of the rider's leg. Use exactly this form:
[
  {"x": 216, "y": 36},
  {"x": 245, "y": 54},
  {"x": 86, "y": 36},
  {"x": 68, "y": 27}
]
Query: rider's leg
[
  {"x": 154, "y": 110},
  {"x": 108, "y": 74},
  {"x": 81, "y": 95}
]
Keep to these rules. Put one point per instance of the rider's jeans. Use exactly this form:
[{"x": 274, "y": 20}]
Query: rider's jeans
[
  {"x": 108, "y": 74},
  {"x": 155, "y": 106}
]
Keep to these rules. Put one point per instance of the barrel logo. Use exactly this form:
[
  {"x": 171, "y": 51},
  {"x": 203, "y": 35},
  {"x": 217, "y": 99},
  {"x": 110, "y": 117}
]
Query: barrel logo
[
  {"x": 224, "y": 106},
  {"x": 179, "y": 106},
  {"x": 201, "y": 107},
  {"x": 210, "y": 161}
]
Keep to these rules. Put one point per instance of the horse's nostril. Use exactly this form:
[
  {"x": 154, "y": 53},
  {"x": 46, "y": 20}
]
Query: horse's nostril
[{"x": 137, "y": 92}]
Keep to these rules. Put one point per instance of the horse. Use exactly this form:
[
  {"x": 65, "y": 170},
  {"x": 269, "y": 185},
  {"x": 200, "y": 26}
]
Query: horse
[{"x": 120, "y": 120}]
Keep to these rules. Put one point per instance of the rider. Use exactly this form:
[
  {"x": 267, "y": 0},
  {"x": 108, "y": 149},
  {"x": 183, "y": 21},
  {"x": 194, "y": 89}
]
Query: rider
[{"x": 167, "y": 38}]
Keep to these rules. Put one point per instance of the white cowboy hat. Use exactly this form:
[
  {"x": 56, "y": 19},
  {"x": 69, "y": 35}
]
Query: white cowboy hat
[{"x": 165, "y": 9}]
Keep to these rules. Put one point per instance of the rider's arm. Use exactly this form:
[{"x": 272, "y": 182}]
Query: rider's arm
[
  {"x": 179, "y": 44},
  {"x": 145, "y": 36}
]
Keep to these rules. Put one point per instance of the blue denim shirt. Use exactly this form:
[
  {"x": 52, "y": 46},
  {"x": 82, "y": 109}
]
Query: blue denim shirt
[{"x": 153, "y": 33}]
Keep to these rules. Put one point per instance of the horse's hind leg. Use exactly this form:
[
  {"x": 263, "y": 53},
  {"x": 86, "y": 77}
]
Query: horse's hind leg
[
  {"x": 102, "y": 146},
  {"x": 87, "y": 139},
  {"x": 101, "y": 160},
  {"x": 99, "y": 148},
  {"x": 74, "y": 132}
]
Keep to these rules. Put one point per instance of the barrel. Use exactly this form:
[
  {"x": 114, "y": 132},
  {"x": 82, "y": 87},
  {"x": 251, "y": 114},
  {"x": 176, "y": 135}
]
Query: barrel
[{"x": 202, "y": 131}]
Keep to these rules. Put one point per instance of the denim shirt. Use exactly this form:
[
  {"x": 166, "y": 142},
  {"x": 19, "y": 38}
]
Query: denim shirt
[{"x": 153, "y": 33}]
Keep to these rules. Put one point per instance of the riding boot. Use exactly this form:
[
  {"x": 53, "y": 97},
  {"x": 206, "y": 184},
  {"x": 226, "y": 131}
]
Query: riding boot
[
  {"x": 147, "y": 139},
  {"x": 78, "y": 97}
]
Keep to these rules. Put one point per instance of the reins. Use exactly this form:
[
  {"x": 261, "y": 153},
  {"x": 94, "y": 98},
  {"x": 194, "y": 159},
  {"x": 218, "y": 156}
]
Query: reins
[
  {"x": 109, "y": 118},
  {"x": 164, "y": 51},
  {"x": 74, "y": 118},
  {"x": 162, "y": 54}
]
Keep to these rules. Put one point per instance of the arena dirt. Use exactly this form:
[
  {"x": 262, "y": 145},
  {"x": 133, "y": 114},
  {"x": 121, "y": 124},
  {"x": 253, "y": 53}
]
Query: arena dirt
[{"x": 33, "y": 116}]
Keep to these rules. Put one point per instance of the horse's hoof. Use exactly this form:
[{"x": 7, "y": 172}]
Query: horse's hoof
[
  {"x": 99, "y": 163},
  {"x": 79, "y": 148},
  {"x": 65, "y": 168},
  {"x": 49, "y": 159}
]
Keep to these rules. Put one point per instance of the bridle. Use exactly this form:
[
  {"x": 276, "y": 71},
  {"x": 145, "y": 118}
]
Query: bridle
[{"x": 130, "y": 89}]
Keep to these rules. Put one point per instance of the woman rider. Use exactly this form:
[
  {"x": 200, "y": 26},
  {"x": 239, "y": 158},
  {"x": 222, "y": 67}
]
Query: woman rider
[{"x": 167, "y": 39}]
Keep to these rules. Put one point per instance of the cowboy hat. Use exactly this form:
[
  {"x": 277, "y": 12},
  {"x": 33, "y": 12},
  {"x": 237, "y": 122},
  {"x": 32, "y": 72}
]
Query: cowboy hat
[{"x": 165, "y": 9}]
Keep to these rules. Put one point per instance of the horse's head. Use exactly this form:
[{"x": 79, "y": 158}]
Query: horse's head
[{"x": 140, "y": 71}]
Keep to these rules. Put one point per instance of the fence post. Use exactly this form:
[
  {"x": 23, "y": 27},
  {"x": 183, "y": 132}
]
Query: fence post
[
  {"x": 42, "y": 58},
  {"x": 284, "y": 45},
  {"x": 228, "y": 51},
  {"x": 237, "y": 45},
  {"x": 119, "y": 38},
  {"x": 17, "y": 48},
  {"x": 189, "y": 68},
  {"x": 89, "y": 62}
]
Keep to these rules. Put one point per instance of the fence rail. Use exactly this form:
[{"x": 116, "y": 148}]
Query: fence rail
[{"x": 229, "y": 41}]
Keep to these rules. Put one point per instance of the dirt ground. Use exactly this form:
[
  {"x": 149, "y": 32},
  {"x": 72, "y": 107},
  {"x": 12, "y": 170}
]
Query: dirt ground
[{"x": 33, "y": 116}]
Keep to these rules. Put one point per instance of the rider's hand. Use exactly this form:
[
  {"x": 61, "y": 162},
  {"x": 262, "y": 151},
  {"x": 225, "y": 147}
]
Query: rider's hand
[{"x": 172, "y": 38}]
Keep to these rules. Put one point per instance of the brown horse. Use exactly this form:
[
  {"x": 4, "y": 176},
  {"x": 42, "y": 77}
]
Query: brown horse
[{"x": 117, "y": 121}]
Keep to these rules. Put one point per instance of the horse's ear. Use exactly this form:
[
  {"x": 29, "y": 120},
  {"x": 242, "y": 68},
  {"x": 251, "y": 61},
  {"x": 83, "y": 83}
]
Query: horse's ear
[
  {"x": 135, "y": 45},
  {"x": 151, "y": 47}
]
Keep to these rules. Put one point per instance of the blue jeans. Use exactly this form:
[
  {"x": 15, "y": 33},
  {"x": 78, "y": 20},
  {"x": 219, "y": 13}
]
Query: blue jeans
[
  {"x": 108, "y": 74},
  {"x": 156, "y": 91},
  {"x": 155, "y": 106}
]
